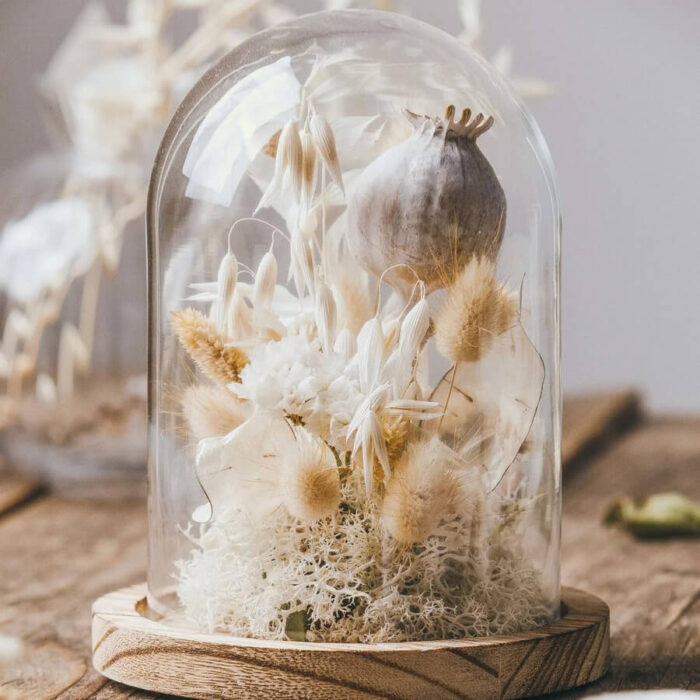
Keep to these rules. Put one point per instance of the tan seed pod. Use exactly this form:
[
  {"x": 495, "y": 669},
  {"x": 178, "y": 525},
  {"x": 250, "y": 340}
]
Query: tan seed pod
[
  {"x": 308, "y": 179},
  {"x": 476, "y": 310},
  {"x": 428, "y": 202}
]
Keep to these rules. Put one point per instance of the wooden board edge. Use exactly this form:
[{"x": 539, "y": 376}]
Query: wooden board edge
[{"x": 606, "y": 416}]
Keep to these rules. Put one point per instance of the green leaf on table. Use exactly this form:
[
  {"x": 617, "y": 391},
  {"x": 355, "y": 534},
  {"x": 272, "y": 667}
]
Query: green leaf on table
[{"x": 660, "y": 515}]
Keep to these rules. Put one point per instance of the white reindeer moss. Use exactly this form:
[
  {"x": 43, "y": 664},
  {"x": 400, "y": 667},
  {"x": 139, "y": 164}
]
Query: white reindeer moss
[{"x": 354, "y": 582}]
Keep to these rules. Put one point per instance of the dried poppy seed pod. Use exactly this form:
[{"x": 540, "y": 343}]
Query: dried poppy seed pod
[{"x": 429, "y": 203}]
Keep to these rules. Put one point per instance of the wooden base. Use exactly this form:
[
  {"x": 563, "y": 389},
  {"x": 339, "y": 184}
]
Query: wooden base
[{"x": 130, "y": 647}]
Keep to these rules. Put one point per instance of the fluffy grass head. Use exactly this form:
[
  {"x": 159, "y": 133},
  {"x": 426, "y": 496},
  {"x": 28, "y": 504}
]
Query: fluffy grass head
[
  {"x": 311, "y": 483},
  {"x": 477, "y": 309},
  {"x": 421, "y": 492},
  {"x": 207, "y": 347}
]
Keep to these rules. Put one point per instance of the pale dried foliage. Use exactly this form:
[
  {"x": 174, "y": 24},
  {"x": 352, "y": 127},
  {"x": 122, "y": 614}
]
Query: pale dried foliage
[
  {"x": 207, "y": 347},
  {"x": 211, "y": 411},
  {"x": 477, "y": 309}
]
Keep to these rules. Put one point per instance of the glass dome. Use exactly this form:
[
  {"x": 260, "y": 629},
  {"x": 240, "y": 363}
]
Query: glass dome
[
  {"x": 72, "y": 365},
  {"x": 354, "y": 343}
]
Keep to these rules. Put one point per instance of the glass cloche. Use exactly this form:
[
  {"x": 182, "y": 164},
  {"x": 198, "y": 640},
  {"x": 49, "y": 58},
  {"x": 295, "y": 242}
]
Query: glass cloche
[{"x": 354, "y": 401}]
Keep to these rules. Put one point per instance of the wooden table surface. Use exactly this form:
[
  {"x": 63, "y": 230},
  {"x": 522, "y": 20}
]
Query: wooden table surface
[{"x": 57, "y": 556}]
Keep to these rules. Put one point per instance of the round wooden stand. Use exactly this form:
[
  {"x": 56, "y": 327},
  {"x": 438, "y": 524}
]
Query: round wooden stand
[{"x": 132, "y": 648}]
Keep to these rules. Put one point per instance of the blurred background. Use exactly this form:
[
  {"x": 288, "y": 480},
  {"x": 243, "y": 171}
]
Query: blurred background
[
  {"x": 88, "y": 88},
  {"x": 620, "y": 118}
]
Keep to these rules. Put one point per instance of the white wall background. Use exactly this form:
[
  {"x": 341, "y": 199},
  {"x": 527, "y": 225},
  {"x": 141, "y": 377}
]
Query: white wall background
[{"x": 624, "y": 130}]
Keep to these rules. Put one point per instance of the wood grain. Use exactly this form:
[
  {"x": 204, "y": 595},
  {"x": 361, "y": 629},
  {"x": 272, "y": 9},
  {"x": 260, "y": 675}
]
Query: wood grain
[
  {"x": 58, "y": 557},
  {"x": 171, "y": 658}
]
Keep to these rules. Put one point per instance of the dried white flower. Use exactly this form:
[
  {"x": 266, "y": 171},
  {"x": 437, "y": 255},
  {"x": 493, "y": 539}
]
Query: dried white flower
[
  {"x": 226, "y": 286},
  {"x": 265, "y": 282},
  {"x": 370, "y": 353},
  {"x": 414, "y": 329},
  {"x": 301, "y": 262},
  {"x": 345, "y": 344},
  {"x": 326, "y": 316},
  {"x": 323, "y": 139}
]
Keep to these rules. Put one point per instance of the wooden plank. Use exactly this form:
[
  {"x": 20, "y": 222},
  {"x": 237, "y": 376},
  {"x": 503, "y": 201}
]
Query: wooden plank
[
  {"x": 58, "y": 557},
  {"x": 652, "y": 587},
  {"x": 592, "y": 420},
  {"x": 15, "y": 488}
]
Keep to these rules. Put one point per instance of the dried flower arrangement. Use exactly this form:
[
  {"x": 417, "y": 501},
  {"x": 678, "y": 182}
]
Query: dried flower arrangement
[{"x": 350, "y": 497}]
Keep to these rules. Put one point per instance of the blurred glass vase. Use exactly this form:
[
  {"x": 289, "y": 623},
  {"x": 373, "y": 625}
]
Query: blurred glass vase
[{"x": 72, "y": 323}]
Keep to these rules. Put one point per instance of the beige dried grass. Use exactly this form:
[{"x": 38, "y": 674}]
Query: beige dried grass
[
  {"x": 211, "y": 411},
  {"x": 207, "y": 347},
  {"x": 420, "y": 493},
  {"x": 476, "y": 310}
]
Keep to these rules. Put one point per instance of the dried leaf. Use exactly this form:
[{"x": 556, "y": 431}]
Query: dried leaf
[
  {"x": 660, "y": 515},
  {"x": 242, "y": 469},
  {"x": 503, "y": 389}
]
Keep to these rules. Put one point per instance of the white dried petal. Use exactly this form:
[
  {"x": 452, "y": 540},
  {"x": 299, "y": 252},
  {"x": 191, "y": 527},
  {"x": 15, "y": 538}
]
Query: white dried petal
[
  {"x": 292, "y": 154},
  {"x": 323, "y": 139},
  {"x": 345, "y": 344},
  {"x": 301, "y": 262},
  {"x": 370, "y": 352},
  {"x": 379, "y": 445},
  {"x": 413, "y": 329},
  {"x": 225, "y": 287},
  {"x": 288, "y": 160},
  {"x": 326, "y": 316},
  {"x": 239, "y": 324},
  {"x": 265, "y": 281}
]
